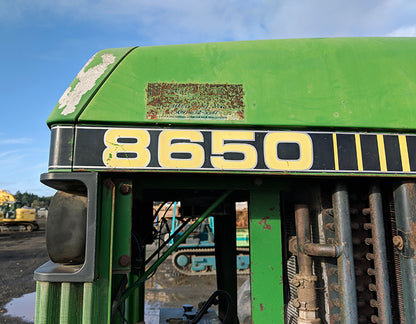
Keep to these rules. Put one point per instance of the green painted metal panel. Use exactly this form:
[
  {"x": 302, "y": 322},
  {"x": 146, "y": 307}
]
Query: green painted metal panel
[
  {"x": 85, "y": 84},
  {"x": 267, "y": 303},
  {"x": 71, "y": 297},
  {"x": 47, "y": 302},
  {"x": 342, "y": 82},
  {"x": 122, "y": 228}
]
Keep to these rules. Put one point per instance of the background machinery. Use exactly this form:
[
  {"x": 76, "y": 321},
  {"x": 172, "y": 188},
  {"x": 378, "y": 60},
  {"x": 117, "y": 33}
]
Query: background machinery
[
  {"x": 14, "y": 216},
  {"x": 317, "y": 135},
  {"x": 196, "y": 255}
]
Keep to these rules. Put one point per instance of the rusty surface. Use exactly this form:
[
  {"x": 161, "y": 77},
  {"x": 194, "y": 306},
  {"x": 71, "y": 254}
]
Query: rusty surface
[
  {"x": 398, "y": 242},
  {"x": 304, "y": 280},
  {"x": 166, "y": 100},
  {"x": 322, "y": 250},
  {"x": 125, "y": 189},
  {"x": 124, "y": 260},
  {"x": 397, "y": 294},
  {"x": 331, "y": 270}
]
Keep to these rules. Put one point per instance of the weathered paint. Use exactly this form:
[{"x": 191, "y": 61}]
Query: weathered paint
[
  {"x": 266, "y": 270},
  {"x": 342, "y": 82},
  {"x": 86, "y": 83},
  {"x": 166, "y": 100}
]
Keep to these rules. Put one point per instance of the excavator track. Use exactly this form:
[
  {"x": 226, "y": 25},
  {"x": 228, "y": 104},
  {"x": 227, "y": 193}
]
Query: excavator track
[
  {"x": 184, "y": 260},
  {"x": 19, "y": 227}
]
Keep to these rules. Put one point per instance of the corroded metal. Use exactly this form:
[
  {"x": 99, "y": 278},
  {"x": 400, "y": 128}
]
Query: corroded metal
[
  {"x": 166, "y": 100},
  {"x": 346, "y": 273},
  {"x": 405, "y": 210},
  {"x": 305, "y": 280},
  {"x": 379, "y": 255}
]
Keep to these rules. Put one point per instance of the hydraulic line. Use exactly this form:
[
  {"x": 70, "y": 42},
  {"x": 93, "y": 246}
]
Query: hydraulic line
[{"x": 173, "y": 247}]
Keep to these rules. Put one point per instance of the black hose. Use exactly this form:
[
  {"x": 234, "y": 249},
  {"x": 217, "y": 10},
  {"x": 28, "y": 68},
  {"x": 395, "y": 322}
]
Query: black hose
[{"x": 212, "y": 300}]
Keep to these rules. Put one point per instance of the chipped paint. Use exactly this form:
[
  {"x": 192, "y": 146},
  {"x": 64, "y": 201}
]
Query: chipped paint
[
  {"x": 264, "y": 222},
  {"x": 84, "y": 81},
  {"x": 195, "y": 101},
  {"x": 261, "y": 307}
]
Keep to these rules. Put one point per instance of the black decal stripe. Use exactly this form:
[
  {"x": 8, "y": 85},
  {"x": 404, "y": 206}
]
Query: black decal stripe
[
  {"x": 393, "y": 156},
  {"x": 323, "y": 151},
  {"x": 369, "y": 152},
  {"x": 60, "y": 152},
  {"x": 89, "y": 147},
  {"x": 411, "y": 148},
  {"x": 347, "y": 153}
]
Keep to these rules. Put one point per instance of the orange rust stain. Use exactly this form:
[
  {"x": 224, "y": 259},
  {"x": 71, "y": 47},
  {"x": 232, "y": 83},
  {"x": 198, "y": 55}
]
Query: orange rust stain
[
  {"x": 264, "y": 222},
  {"x": 261, "y": 307}
]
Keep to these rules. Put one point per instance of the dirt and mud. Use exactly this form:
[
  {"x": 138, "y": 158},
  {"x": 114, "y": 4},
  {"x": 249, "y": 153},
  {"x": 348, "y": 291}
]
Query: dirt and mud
[{"x": 21, "y": 253}]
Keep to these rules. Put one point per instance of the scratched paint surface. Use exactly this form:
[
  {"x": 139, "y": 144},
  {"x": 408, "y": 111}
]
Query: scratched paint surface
[
  {"x": 194, "y": 101},
  {"x": 267, "y": 305},
  {"x": 326, "y": 83},
  {"x": 86, "y": 84},
  {"x": 84, "y": 81}
]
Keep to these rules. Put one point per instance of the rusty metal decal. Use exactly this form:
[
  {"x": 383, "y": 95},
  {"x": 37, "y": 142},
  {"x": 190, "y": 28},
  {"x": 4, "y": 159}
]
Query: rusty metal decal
[{"x": 167, "y": 100}]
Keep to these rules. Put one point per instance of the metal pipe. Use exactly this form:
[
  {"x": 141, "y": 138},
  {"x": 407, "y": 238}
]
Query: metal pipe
[
  {"x": 380, "y": 257},
  {"x": 303, "y": 234},
  {"x": 170, "y": 239},
  {"x": 345, "y": 262},
  {"x": 405, "y": 209},
  {"x": 305, "y": 280},
  {"x": 173, "y": 247},
  {"x": 321, "y": 250}
]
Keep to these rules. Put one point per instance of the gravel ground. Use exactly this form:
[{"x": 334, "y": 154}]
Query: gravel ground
[{"x": 20, "y": 254}]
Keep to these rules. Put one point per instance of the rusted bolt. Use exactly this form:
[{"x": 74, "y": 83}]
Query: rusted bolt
[
  {"x": 371, "y": 272},
  {"x": 374, "y": 319},
  {"x": 368, "y": 241},
  {"x": 296, "y": 303},
  {"x": 293, "y": 245},
  {"x": 124, "y": 260},
  {"x": 373, "y": 303},
  {"x": 366, "y": 211},
  {"x": 372, "y": 287},
  {"x": 369, "y": 256},
  {"x": 398, "y": 242},
  {"x": 330, "y": 227},
  {"x": 125, "y": 189},
  {"x": 368, "y": 226},
  {"x": 295, "y": 282}
]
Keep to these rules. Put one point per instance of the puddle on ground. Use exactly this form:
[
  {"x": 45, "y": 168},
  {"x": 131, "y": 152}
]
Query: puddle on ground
[{"x": 23, "y": 307}]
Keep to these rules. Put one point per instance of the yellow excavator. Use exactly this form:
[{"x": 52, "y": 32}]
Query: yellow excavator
[{"x": 14, "y": 216}]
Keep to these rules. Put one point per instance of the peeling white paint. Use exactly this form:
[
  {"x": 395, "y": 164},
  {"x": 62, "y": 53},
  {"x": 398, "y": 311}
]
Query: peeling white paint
[{"x": 87, "y": 80}]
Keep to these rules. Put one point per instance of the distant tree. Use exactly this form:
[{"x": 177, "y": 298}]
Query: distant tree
[{"x": 32, "y": 200}]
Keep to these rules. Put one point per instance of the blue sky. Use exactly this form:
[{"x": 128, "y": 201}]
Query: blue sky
[{"x": 44, "y": 44}]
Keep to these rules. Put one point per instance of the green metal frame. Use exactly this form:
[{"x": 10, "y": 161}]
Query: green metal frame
[{"x": 344, "y": 84}]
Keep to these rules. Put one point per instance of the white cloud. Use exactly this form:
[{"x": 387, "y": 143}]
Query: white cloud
[
  {"x": 22, "y": 140},
  {"x": 166, "y": 22},
  {"x": 407, "y": 31},
  {"x": 8, "y": 153}
]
